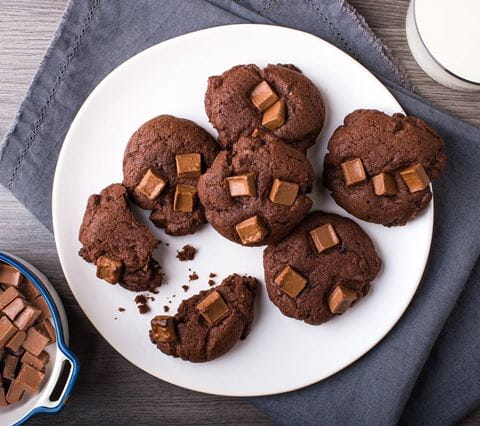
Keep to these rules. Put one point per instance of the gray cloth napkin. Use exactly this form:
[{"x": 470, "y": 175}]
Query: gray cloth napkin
[{"x": 426, "y": 371}]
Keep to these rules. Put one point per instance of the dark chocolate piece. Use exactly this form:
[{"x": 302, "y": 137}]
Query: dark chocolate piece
[
  {"x": 251, "y": 230},
  {"x": 283, "y": 192},
  {"x": 415, "y": 177},
  {"x": 109, "y": 269},
  {"x": 151, "y": 185},
  {"x": 274, "y": 117},
  {"x": 290, "y": 281},
  {"x": 341, "y": 299},
  {"x": 324, "y": 237},
  {"x": 353, "y": 172},
  {"x": 213, "y": 307},
  {"x": 384, "y": 184},
  {"x": 189, "y": 165},
  {"x": 163, "y": 329},
  {"x": 242, "y": 185},
  {"x": 263, "y": 96}
]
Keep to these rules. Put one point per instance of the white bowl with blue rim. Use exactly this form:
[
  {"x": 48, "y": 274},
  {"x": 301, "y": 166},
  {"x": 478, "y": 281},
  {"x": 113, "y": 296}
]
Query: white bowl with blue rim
[{"x": 61, "y": 356}]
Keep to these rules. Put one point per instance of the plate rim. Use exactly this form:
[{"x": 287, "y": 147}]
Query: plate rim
[{"x": 56, "y": 202}]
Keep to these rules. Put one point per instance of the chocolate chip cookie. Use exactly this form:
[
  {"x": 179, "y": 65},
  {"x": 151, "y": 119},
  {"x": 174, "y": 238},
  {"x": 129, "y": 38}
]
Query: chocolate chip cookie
[
  {"x": 278, "y": 99},
  {"x": 379, "y": 167},
  {"x": 161, "y": 166},
  {"x": 325, "y": 265},
  {"x": 257, "y": 192},
  {"x": 119, "y": 245},
  {"x": 208, "y": 324}
]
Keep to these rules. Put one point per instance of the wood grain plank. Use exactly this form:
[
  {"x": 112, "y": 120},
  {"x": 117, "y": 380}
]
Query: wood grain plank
[{"x": 111, "y": 390}]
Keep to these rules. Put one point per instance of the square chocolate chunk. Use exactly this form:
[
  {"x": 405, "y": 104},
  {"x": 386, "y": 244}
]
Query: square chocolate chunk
[
  {"x": 3, "y": 400},
  {"x": 35, "y": 342},
  {"x": 415, "y": 177},
  {"x": 15, "y": 392},
  {"x": 7, "y": 330},
  {"x": 27, "y": 317},
  {"x": 251, "y": 230},
  {"x": 34, "y": 361},
  {"x": 290, "y": 281},
  {"x": 353, "y": 172},
  {"x": 283, "y": 192},
  {"x": 151, "y": 185},
  {"x": 341, "y": 299},
  {"x": 189, "y": 165},
  {"x": 213, "y": 307},
  {"x": 274, "y": 117},
  {"x": 324, "y": 237},
  {"x": 242, "y": 185},
  {"x": 384, "y": 184},
  {"x": 16, "y": 341},
  {"x": 14, "y": 308},
  {"x": 29, "y": 290},
  {"x": 41, "y": 304},
  {"x": 30, "y": 378},
  {"x": 8, "y": 296},
  {"x": 46, "y": 328},
  {"x": 109, "y": 269},
  {"x": 163, "y": 329},
  {"x": 263, "y": 96},
  {"x": 9, "y": 367},
  {"x": 10, "y": 275},
  {"x": 184, "y": 199}
]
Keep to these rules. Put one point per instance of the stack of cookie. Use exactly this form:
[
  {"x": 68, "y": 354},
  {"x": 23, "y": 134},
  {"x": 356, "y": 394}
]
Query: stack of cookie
[{"x": 252, "y": 186}]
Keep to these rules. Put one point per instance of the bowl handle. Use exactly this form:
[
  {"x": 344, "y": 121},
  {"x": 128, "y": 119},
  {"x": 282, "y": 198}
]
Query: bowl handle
[{"x": 53, "y": 407}]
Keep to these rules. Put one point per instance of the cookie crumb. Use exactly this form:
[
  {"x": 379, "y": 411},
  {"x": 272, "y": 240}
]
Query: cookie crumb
[
  {"x": 193, "y": 276},
  {"x": 140, "y": 299},
  {"x": 120, "y": 309},
  {"x": 167, "y": 244},
  {"x": 212, "y": 275},
  {"x": 187, "y": 253},
  {"x": 154, "y": 291},
  {"x": 166, "y": 308},
  {"x": 211, "y": 283},
  {"x": 143, "y": 309},
  {"x": 185, "y": 288}
]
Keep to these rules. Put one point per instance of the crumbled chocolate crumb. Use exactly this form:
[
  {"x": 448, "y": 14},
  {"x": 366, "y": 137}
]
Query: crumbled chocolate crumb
[
  {"x": 187, "y": 253},
  {"x": 185, "y": 287},
  {"x": 212, "y": 275},
  {"x": 115, "y": 318},
  {"x": 151, "y": 298},
  {"x": 154, "y": 291},
  {"x": 120, "y": 309},
  {"x": 173, "y": 295},
  {"x": 166, "y": 308},
  {"x": 193, "y": 276},
  {"x": 143, "y": 309},
  {"x": 140, "y": 299},
  {"x": 211, "y": 283},
  {"x": 167, "y": 244}
]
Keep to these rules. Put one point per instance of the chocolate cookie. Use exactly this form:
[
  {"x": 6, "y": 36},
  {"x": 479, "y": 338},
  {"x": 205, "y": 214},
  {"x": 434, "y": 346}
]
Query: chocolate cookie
[
  {"x": 318, "y": 271},
  {"x": 379, "y": 167},
  {"x": 117, "y": 242},
  {"x": 278, "y": 100},
  {"x": 256, "y": 193},
  {"x": 208, "y": 324},
  {"x": 161, "y": 166}
]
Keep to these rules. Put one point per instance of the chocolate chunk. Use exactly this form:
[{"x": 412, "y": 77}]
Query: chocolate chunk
[
  {"x": 213, "y": 307},
  {"x": 29, "y": 290},
  {"x": 189, "y": 165},
  {"x": 251, "y": 230},
  {"x": 36, "y": 362},
  {"x": 16, "y": 341},
  {"x": 14, "y": 308},
  {"x": 46, "y": 328},
  {"x": 27, "y": 317},
  {"x": 3, "y": 400},
  {"x": 263, "y": 96},
  {"x": 384, "y": 184},
  {"x": 8, "y": 296},
  {"x": 341, "y": 299},
  {"x": 30, "y": 378},
  {"x": 415, "y": 177},
  {"x": 324, "y": 237},
  {"x": 242, "y": 185},
  {"x": 187, "y": 253},
  {"x": 353, "y": 172},
  {"x": 184, "y": 199},
  {"x": 151, "y": 185},
  {"x": 290, "y": 281},
  {"x": 274, "y": 117},
  {"x": 9, "y": 367},
  {"x": 10, "y": 275},
  {"x": 163, "y": 329},
  {"x": 35, "y": 342},
  {"x": 109, "y": 269},
  {"x": 283, "y": 192},
  {"x": 15, "y": 392},
  {"x": 41, "y": 304},
  {"x": 7, "y": 330}
]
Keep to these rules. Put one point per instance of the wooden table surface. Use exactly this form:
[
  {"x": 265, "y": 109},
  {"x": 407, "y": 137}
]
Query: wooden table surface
[{"x": 26, "y": 27}]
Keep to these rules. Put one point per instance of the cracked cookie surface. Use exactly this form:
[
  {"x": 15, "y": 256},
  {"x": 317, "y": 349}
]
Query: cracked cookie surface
[
  {"x": 232, "y": 113},
  {"x": 267, "y": 161},
  {"x": 197, "y": 341},
  {"x": 109, "y": 228},
  {"x": 352, "y": 264},
  {"x": 155, "y": 145},
  {"x": 385, "y": 144}
]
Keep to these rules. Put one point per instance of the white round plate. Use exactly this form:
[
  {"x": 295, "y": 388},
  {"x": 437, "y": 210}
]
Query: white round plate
[{"x": 171, "y": 78}]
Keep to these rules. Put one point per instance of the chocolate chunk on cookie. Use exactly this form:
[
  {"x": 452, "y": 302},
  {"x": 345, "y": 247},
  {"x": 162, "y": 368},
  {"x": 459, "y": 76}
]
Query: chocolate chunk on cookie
[
  {"x": 323, "y": 266},
  {"x": 379, "y": 167},
  {"x": 256, "y": 193},
  {"x": 208, "y": 324},
  {"x": 161, "y": 166},
  {"x": 277, "y": 100},
  {"x": 119, "y": 245}
]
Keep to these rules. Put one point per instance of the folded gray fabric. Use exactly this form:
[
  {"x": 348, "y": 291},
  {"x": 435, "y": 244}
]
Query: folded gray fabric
[{"x": 426, "y": 370}]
